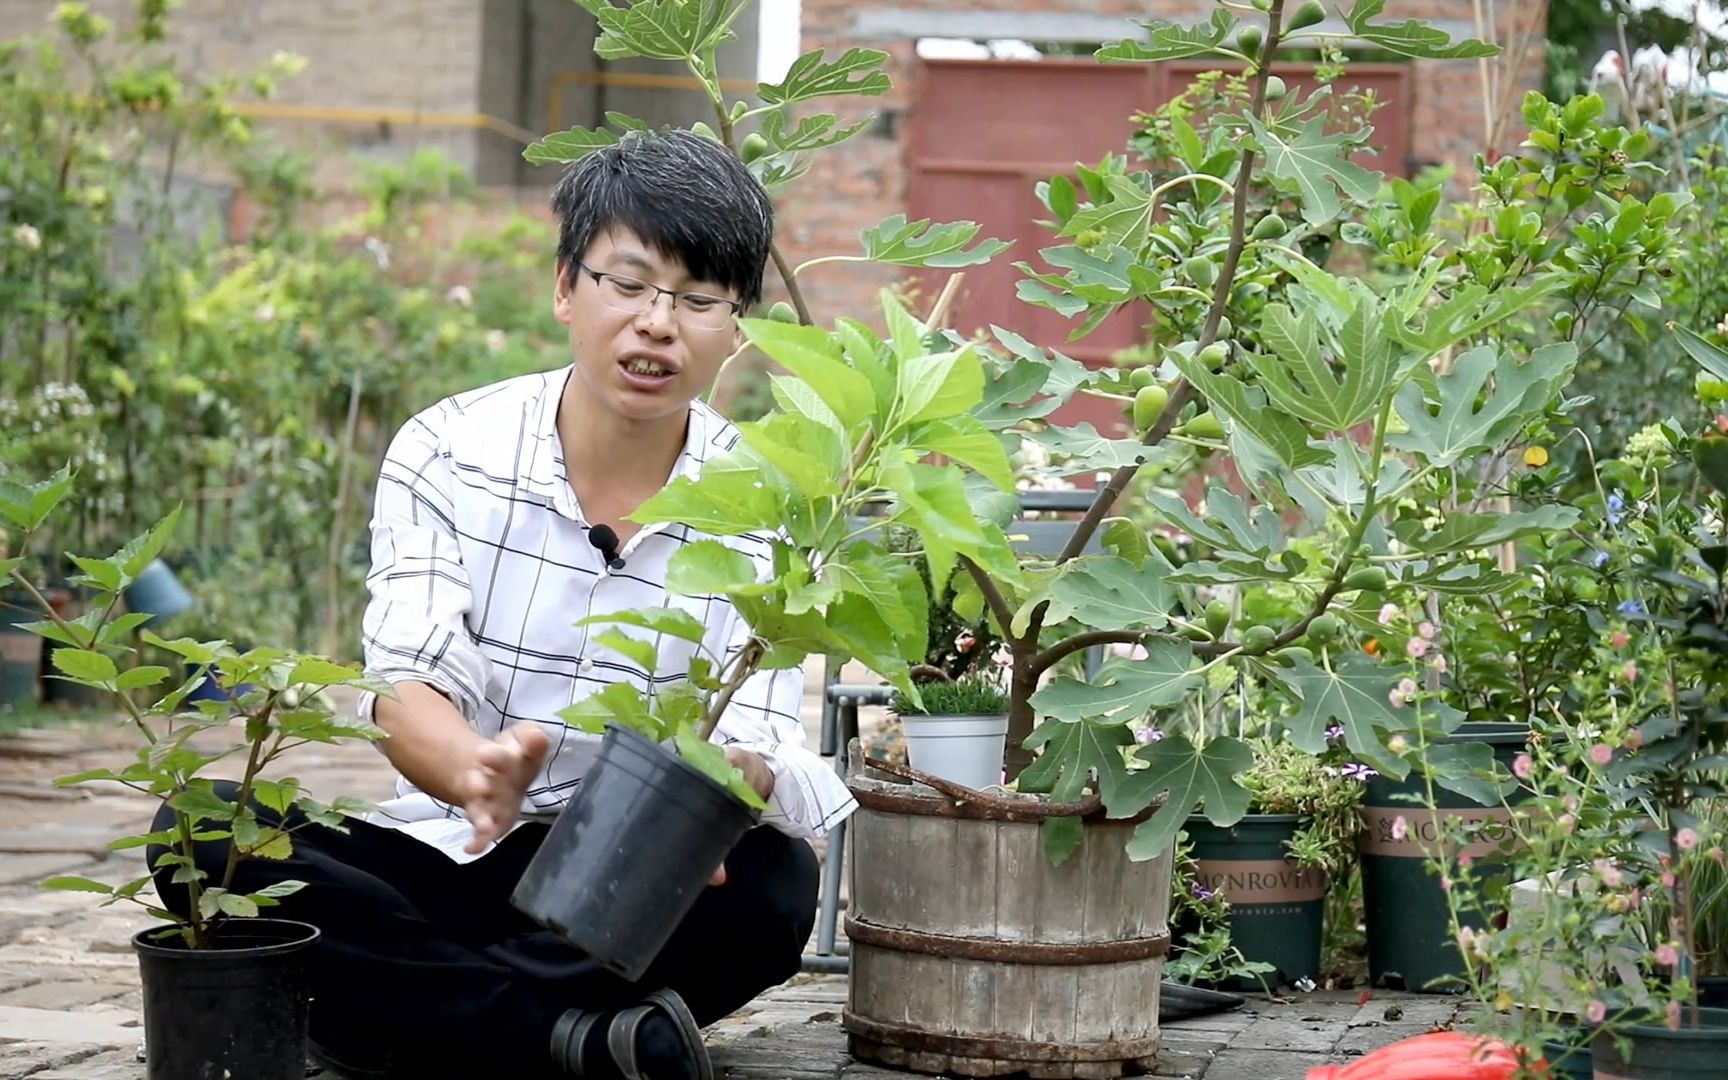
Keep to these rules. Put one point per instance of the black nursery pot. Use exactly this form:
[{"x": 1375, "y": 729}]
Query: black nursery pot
[
  {"x": 237, "y": 1009},
  {"x": 1277, "y": 908},
  {"x": 630, "y": 853}
]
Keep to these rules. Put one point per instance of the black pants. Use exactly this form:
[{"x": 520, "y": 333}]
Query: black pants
[{"x": 424, "y": 959}]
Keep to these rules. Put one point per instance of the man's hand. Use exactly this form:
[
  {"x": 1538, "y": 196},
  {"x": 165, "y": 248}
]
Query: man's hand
[
  {"x": 492, "y": 789},
  {"x": 759, "y": 776}
]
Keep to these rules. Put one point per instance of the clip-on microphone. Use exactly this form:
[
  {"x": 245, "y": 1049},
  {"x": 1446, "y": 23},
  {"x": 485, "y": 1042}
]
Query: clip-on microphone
[{"x": 605, "y": 541}]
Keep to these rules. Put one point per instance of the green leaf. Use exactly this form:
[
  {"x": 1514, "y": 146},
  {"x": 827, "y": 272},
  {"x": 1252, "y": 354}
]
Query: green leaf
[
  {"x": 1078, "y": 448},
  {"x": 1710, "y": 457},
  {"x": 642, "y": 653},
  {"x": 242, "y": 907},
  {"x": 7, "y": 566},
  {"x": 1229, "y": 522},
  {"x": 664, "y": 620},
  {"x": 729, "y": 498},
  {"x": 1125, "y": 539},
  {"x": 812, "y": 132},
  {"x": 195, "y": 652},
  {"x": 313, "y": 671},
  {"x": 889, "y": 586},
  {"x": 104, "y": 574},
  {"x": 1354, "y": 696},
  {"x": 280, "y": 889},
  {"x": 807, "y": 453},
  {"x": 1469, "y": 769},
  {"x": 85, "y": 666},
  {"x": 1304, "y": 383},
  {"x": 1472, "y": 418},
  {"x": 142, "y": 550},
  {"x": 139, "y": 677},
  {"x": 77, "y": 884},
  {"x": 658, "y": 29},
  {"x": 278, "y": 795},
  {"x": 202, "y": 803},
  {"x": 1171, "y": 41},
  {"x": 1461, "y": 532},
  {"x": 1070, "y": 755},
  {"x": 941, "y": 386},
  {"x": 708, "y": 567},
  {"x": 1189, "y": 777},
  {"x": 1470, "y": 310},
  {"x": 121, "y": 627},
  {"x": 934, "y": 501},
  {"x": 618, "y": 703},
  {"x": 1313, "y": 163},
  {"x": 1102, "y": 590},
  {"x": 86, "y": 776},
  {"x": 28, "y": 507},
  {"x": 78, "y": 633},
  {"x": 1121, "y": 222},
  {"x": 710, "y": 760},
  {"x": 814, "y": 356},
  {"x": 1416, "y": 40},
  {"x": 969, "y": 442},
  {"x": 857, "y": 71},
  {"x": 1124, "y": 690},
  {"x": 919, "y": 243},
  {"x": 1712, "y": 359},
  {"x": 566, "y": 146},
  {"x": 1281, "y": 434}
]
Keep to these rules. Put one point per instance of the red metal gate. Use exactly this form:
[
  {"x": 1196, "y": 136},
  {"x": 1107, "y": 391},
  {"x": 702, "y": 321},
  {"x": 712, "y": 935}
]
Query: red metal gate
[{"x": 984, "y": 132}]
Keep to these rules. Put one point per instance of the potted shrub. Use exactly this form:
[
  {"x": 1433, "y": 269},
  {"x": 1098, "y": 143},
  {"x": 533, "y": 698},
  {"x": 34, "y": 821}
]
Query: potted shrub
[
  {"x": 958, "y": 729},
  {"x": 225, "y": 990}
]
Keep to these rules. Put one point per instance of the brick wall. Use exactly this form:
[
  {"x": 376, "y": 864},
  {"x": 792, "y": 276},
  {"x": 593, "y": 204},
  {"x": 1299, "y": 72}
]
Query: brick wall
[{"x": 866, "y": 180}]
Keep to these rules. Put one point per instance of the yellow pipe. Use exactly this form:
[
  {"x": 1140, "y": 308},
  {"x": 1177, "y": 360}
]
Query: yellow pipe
[{"x": 343, "y": 114}]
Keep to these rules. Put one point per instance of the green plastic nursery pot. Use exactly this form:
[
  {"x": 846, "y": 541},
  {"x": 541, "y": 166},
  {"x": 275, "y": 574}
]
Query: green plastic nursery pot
[
  {"x": 1410, "y": 942},
  {"x": 1652, "y": 1052},
  {"x": 20, "y": 650},
  {"x": 1570, "y": 1059},
  {"x": 1277, "y": 908},
  {"x": 630, "y": 853},
  {"x": 236, "y": 1009}
]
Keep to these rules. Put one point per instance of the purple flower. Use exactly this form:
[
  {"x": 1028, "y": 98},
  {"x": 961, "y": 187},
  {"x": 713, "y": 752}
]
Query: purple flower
[
  {"x": 1336, "y": 731},
  {"x": 1631, "y": 607},
  {"x": 1358, "y": 771},
  {"x": 1147, "y": 735},
  {"x": 1201, "y": 892}
]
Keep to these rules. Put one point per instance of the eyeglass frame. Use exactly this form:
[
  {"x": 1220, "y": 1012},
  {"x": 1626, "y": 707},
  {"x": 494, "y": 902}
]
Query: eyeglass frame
[{"x": 737, "y": 306}]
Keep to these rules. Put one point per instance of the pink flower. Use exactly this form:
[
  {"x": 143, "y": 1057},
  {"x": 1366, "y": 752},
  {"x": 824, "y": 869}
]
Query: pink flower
[
  {"x": 1388, "y": 612},
  {"x": 1667, "y": 955},
  {"x": 1438, "y": 663},
  {"x": 1717, "y": 854},
  {"x": 1416, "y": 648},
  {"x": 1619, "y": 639},
  {"x": 1521, "y": 766},
  {"x": 1445, "y": 883},
  {"x": 1568, "y": 824},
  {"x": 1610, "y": 874},
  {"x": 1400, "y": 827},
  {"x": 1672, "y": 1015},
  {"x": 1601, "y": 753},
  {"x": 1686, "y": 839},
  {"x": 1426, "y": 630},
  {"x": 1634, "y": 740},
  {"x": 965, "y": 642},
  {"x": 1668, "y": 879},
  {"x": 1466, "y": 938},
  {"x": 1596, "y": 1011},
  {"x": 1630, "y": 671}
]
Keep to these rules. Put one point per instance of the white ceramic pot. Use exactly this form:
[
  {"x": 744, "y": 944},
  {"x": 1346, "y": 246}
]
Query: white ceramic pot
[{"x": 964, "y": 749}]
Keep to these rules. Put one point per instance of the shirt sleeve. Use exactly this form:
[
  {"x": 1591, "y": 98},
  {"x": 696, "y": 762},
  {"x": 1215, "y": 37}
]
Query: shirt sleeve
[
  {"x": 414, "y": 629},
  {"x": 809, "y": 798}
]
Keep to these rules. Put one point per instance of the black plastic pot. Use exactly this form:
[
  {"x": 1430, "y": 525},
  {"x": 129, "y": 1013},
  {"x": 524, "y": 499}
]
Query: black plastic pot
[
  {"x": 236, "y": 1009},
  {"x": 1655, "y": 1053},
  {"x": 1410, "y": 942},
  {"x": 1277, "y": 909},
  {"x": 628, "y": 856},
  {"x": 20, "y": 650},
  {"x": 1713, "y": 991},
  {"x": 1571, "y": 1059}
]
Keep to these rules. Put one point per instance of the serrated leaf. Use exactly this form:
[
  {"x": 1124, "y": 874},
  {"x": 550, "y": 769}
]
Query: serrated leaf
[
  {"x": 280, "y": 889},
  {"x": 1470, "y": 420},
  {"x": 1411, "y": 38},
  {"x": 856, "y": 71},
  {"x": 935, "y": 502},
  {"x": 814, "y": 356},
  {"x": 1352, "y": 695},
  {"x": 77, "y": 884},
  {"x": 567, "y": 146},
  {"x": 664, "y": 620},
  {"x": 28, "y": 506},
  {"x": 642, "y": 653},
  {"x": 1461, "y": 532},
  {"x": 807, "y": 453},
  {"x": 85, "y": 666},
  {"x": 201, "y": 803},
  {"x": 195, "y": 652},
  {"x": 103, "y": 574},
  {"x": 1314, "y": 164},
  {"x": 966, "y": 440},
  {"x": 617, "y": 703},
  {"x": 143, "y": 549},
  {"x": 278, "y": 795},
  {"x": 812, "y": 132},
  {"x": 658, "y": 29},
  {"x": 1070, "y": 755},
  {"x": 1124, "y": 690},
  {"x": 919, "y": 243},
  {"x": 139, "y": 677},
  {"x": 313, "y": 671},
  {"x": 1171, "y": 41},
  {"x": 708, "y": 567},
  {"x": 1189, "y": 777},
  {"x": 711, "y": 761},
  {"x": 241, "y": 907},
  {"x": 729, "y": 498},
  {"x": 890, "y": 586},
  {"x": 940, "y": 386}
]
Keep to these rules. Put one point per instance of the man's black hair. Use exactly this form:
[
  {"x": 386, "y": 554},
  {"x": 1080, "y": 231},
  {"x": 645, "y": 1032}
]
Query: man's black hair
[{"x": 685, "y": 196}]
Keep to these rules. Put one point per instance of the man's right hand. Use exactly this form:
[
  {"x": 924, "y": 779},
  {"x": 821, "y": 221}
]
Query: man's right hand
[{"x": 493, "y": 787}]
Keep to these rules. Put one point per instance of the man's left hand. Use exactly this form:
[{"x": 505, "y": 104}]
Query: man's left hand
[{"x": 754, "y": 768}]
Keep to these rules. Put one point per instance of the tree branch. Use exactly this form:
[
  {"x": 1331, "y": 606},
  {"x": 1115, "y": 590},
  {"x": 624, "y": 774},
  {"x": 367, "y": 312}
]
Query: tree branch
[
  {"x": 993, "y": 597},
  {"x": 791, "y": 281}
]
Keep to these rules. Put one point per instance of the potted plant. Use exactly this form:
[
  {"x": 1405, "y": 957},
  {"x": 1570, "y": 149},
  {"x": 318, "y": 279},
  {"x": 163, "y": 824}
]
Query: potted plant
[
  {"x": 957, "y": 729},
  {"x": 225, "y": 990}
]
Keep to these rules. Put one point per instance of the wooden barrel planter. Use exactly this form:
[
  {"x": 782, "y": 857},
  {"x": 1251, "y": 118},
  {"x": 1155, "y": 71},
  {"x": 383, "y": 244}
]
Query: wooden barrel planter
[{"x": 973, "y": 956}]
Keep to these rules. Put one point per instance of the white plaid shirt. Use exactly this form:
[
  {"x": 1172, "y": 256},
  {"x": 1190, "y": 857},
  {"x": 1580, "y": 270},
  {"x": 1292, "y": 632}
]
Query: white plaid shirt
[{"x": 481, "y": 567}]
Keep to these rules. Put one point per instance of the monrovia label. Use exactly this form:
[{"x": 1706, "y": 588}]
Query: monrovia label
[
  {"x": 1268, "y": 881},
  {"x": 1419, "y": 836},
  {"x": 20, "y": 648}
]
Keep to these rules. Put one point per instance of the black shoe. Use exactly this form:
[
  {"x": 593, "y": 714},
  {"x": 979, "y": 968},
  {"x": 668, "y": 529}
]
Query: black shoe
[{"x": 657, "y": 1040}]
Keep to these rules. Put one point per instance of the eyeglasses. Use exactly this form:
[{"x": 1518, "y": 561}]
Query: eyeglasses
[{"x": 699, "y": 311}]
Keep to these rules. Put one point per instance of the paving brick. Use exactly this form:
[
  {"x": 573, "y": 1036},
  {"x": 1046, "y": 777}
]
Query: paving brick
[
  {"x": 1234, "y": 1064},
  {"x": 95, "y": 1028},
  {"x": 21, "y": 1059},
  {"x": 1287, "y": 1033},
  {"x": 63, "y": 995},
  {"x": 28, "y": 869}
]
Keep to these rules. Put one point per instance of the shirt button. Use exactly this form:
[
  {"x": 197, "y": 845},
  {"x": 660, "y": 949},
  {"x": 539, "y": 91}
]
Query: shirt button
[{"x": 586, "y": 665}]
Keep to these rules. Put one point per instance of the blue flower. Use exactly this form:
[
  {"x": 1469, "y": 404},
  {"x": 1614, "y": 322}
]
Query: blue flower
[
  {"x": 1599, "y": 560},
  {"x": 1616, "y": 508},
  {"x": 1631, "y": 607}
]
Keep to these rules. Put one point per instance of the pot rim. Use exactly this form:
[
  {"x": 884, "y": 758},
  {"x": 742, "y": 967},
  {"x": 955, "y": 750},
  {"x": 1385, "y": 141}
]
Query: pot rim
[
  {"x": 308, "y": 935},
  {"x": 683, "y": 766},
  {"x": 1713, "y": 1029},
  {"x": 1260, "y": 819},
  {"x": 950, "y": 716}
]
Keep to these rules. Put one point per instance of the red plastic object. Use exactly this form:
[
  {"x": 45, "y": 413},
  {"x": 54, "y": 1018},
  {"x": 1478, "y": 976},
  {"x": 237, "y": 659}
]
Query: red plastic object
[{"x": 1438, "y": 1055}]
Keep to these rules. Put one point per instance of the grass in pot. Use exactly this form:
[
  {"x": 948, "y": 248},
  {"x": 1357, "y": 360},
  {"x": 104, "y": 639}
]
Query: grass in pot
[{"x": 958, "y": 731}]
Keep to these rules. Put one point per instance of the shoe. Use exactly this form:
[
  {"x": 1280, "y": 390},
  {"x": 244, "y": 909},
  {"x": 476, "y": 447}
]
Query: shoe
[{"x": 657, "y": 1040}]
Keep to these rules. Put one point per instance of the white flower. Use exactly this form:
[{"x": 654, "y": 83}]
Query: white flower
[
  {"x": 496, "y": 340},
  {"x": 265, "y": 312},
  {"x": 380, "y": 251},
  {"x": 26, "y": 237},
  {"x": 460, "y": 296}
]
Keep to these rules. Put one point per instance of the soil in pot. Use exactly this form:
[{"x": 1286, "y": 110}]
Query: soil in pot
[
  {"x": 626, "y": 859},
  {"x": 1655, "y": 1053},
  {"x": 1276, "y": 907},
  {"x": 238, "y": 1009},
  {"x": 20, "y": 650},
  {"x": 1410, "y": 943},
  {"x": 964, "y": 749}
]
